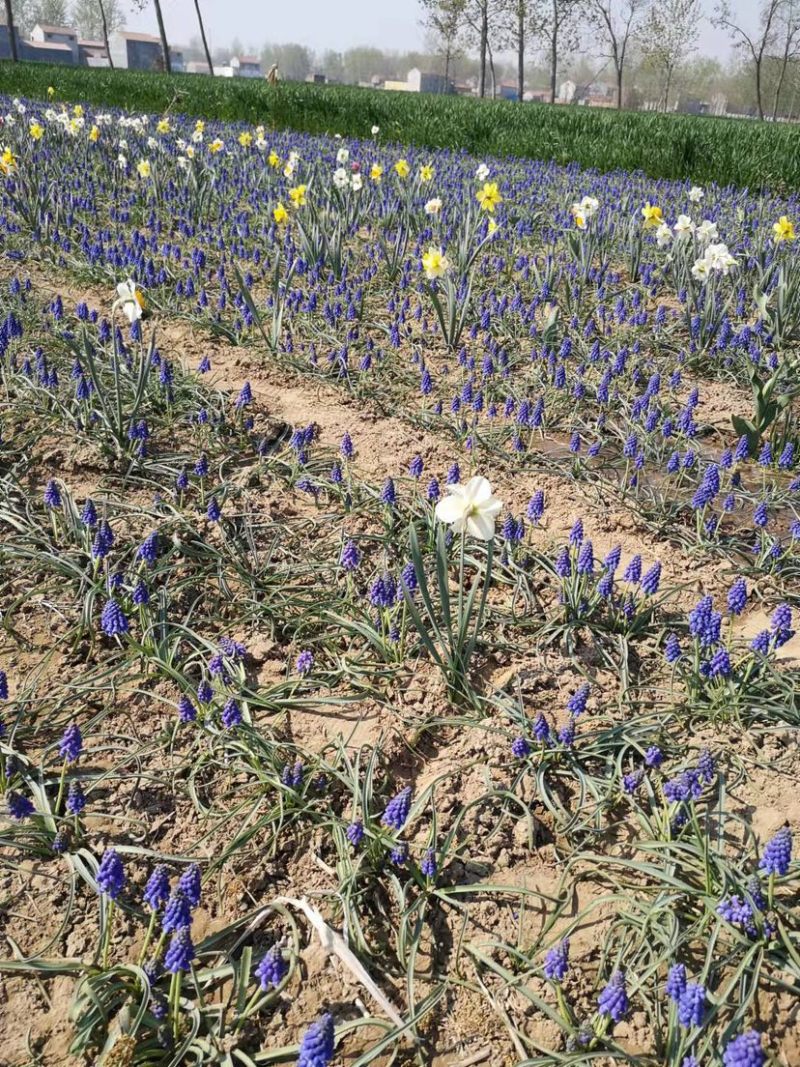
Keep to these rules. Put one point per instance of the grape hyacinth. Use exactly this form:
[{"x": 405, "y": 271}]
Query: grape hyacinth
[
  {"x": 111, "y": 874},
  {"x": 613, "y": 1001},
  {"x": 556, "y": 962},
  {"x": 745, "y": 1051},
  {"x": 397, "y": 810},
  {"x": 272, "y": 969},
  {"x": 777, "y": 853},
  {"x": 317, "y": 1044}
]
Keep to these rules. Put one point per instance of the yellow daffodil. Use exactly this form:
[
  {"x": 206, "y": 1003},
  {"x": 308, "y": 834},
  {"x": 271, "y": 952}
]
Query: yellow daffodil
[
  {"x": 376, "y": 172},
  {"x": 216, "y": 145},
  {"x": 580, "y": 219},
  {"x": 435, "y": 263},
  {"x": 652, "y": 215},
  {"x": 162, "y": 126},
  {"x": 426, "y": 173},
  {"x": 259, "y": 131},
  {"x": 402, "y": 168},
  {"x": 50, "y": 92},
  {"x": 200, "y": 126},
  {"x": 280, "y": 214},
  {"x": 491, "y": 227},
  {"x": 298, "y": 195},
  {"x": 488, "y": 196},
  {"x": 245, "y": 139},
  {"x": 94, "y": 134},
  {"x": 143, "y": 168},
  {"x": 274, "y": 160},
  {"x": 8, "y": 161},
  {"x": 77, "y": 111},
  {"x": 783, "y": 230},
  {"x": 36, "y": 131}
]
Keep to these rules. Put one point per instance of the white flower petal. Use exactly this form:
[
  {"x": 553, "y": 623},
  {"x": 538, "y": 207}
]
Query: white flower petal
[
  {"x": 478, "y": 489},
  {"x": 481, "y": 526},
  {"x": 450, "y": 509}
]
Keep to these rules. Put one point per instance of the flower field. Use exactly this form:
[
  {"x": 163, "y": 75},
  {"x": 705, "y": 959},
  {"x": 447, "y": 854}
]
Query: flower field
[{"x": 399, "y": 574}]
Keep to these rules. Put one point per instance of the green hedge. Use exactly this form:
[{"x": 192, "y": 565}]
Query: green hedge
[{"x": 740, "y": 152}]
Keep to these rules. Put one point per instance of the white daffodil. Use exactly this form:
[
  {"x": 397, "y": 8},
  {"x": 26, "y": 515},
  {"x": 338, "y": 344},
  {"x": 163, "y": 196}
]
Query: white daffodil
[
  {"x": 482, "y": 173},
  {"x": 720, "y": 259},
  {"x": 340, "y": 178},
  {"x": 684, "y": 226},
  {"x": 696, "y": 194},
  {"x": 434, "y": 206},
  {"x": 701, "y": 269},
  {"x": 122, "y": 161},
  {"x": 375, "y": 131},
  {"x": 357, "y": 183},
  {"x": 663, "y": 235},
  {"x": 342, "y": 156},
  {"x": 470, "y": 508},
  {"x": 131, "y": 300},
  {"x": 707, "y": 231}
]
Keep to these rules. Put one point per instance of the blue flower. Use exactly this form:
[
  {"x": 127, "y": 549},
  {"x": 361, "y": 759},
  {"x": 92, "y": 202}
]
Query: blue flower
[
  {"x": 71, "y": 743},
  {"x": 180, "y": 953},
  {"x": 576, "y": 704},
  {"x": 692, "y": 1004},
  {"x": 613, "y": 1001},
  {"x": 304, "y": 662},
  {"x": 177, "y": 914},
  {"x": 111, "y": 874},
  {"x": 52, "y": 496},
  {"x": 350, "y": 557},
  {"x": 745, "y": 1051},
  {"x": 76, "y": 801},
  {"x": 317, "y": 1044},
  {"x": 272, "y": 969},
  {"x": 112, "y": 620},
  {"x": 777, "y": 853},
  {"x": 189, "y": 884},
  {"x": 397, "y": 809},
  {"x": 556, "y": 962},
  {"x": 19, "y": 807},
  {"x": 156, "y": 892},
  {"x": 355, "y": 832}
]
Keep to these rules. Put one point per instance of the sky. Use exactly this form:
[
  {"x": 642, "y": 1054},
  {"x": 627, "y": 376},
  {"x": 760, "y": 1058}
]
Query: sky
[{"x": 337, "y": 24}]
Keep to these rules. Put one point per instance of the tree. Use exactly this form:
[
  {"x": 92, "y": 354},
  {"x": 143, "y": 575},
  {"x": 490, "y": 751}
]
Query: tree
[
  {"x": 755, "y": 44},
  {"x": 96, "y": 19},
  {"x": 203, "y": 36},
  {"x": 516, "y": 23},
  {"x": 551, "y": 19},
  {"x": 670, "y": 38},
  {"x": 445, "y": 22},
  {"x": 49, "y": 12},
  {"x": 788, "y": 40},
  {"x": 618, "y": 21},
  {"x": 12, "y": 35}
]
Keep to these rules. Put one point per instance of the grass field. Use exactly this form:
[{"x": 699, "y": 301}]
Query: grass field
[
  {"x": 724, "y": 151},
  {"x": 399, "y": 573}
]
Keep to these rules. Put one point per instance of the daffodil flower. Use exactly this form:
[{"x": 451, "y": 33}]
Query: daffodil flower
[
  {"x": 652, "y": 215},
  {"x": 470, "y": 508},
  {"x": 435, "y": 263},
  {"x": 131, "y": 300},
  {"x": 488, "y": 196},
  {"x": 783, "y": 230}
]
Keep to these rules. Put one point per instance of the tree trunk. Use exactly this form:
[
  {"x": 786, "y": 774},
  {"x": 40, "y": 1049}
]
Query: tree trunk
[
  {"x": 619, "y": 88},
  {"x": 203, "y": 36},
  {"x": 492, "y": 71},
  {"x": 779, "y": 87},
  {"x": 105, "y": 33},
  {"x": 667, "y": 87},
  {"x": 520, "y": 50},
  {"x": 163, "y": 35},
  {"x": 12, "y": 38},
  {"x": 483, "y": 47},
  {"x": 759, "y": 95},
  {"x": 554, "y": 53}
]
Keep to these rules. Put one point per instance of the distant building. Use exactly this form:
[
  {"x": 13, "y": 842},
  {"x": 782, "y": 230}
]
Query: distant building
[
  {"x": 43, "y": 36},
  {"x": 48, "y": 52},
  {"x": 508, "y": 91},
  {"x": 246, "y": 66},
  {"x": 197, "y": 66},
  {"x": 92, "y": 54},
  {"x": 418, "y": 81},
  {"x": 5, "y": 42},
  {"x": 223, "y": 71},
  {"x": 141, "y": 51}
]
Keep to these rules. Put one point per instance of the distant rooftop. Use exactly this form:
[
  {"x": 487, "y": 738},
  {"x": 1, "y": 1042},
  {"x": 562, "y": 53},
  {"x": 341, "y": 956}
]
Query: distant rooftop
[{"x": 69, "y": 30}]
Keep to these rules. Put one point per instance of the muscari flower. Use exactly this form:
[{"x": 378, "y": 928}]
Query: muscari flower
[
  {"x": 19, "y": 807},
  {"x": 556, "y": 962},
  {"x": 113, "y": 621},
  {"x": 110, "y": 874},
  {"x": 180, "y": 953},
  {"x": 177, "y": 914},
  {"x": 777, "y": 853},
  {"x": 613, "y": 1001},
  {"x": 76, "y": 801},
  {"x": 397, "y": 809},
  {"x": 71, "y": 743},
  {"x": 355, "y": 832},
  {"x": 317, "y": 1044},
  {"x": 745, "y": 1051},
  {"x": 272, "y": 969},
  {"x": 156, "y": 892}
]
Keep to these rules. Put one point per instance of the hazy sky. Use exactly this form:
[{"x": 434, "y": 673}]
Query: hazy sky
[{"x": 337, "y": 24}]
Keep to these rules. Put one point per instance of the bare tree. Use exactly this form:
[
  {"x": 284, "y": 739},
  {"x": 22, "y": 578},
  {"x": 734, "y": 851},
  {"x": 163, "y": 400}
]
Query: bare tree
[
  {"x": 551, "y": 20},
  {"x": 445, "y": 21},
  {"x": 670, "y": 37},
  {"x": 516, "y": 27},
  {"x": 12, "y": 33},
  {"x": 618, "y": 21},
  {"x": 203, "y": 36},
  {"x": 788, "y": 39},
  {"x": 755, "y": 44}
]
